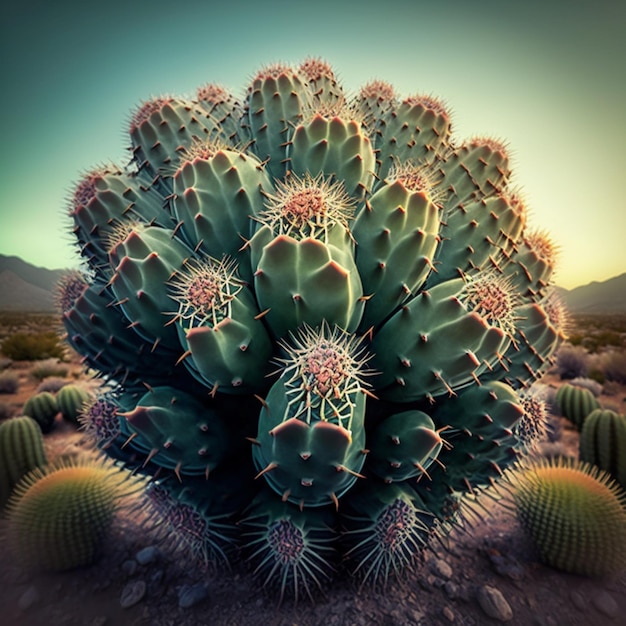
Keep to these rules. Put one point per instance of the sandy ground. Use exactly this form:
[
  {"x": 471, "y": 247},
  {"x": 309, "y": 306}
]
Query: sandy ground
[{"x": 452, "y": 585}]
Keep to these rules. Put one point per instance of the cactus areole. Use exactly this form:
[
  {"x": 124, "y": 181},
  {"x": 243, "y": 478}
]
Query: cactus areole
[{"x": 316, "y": 311}]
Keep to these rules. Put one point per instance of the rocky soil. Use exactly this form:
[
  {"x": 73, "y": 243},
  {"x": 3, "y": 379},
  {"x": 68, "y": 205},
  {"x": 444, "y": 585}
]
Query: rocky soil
[{"x": 487, "y": 574}]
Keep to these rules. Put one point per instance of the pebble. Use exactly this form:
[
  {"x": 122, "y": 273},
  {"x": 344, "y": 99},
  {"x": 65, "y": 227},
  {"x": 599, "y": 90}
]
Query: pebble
[
  {"x": 129, "y": 567},
  {"x": 452, "y": 590},
  {"x": 448, "y": 613},
  {"x": 440, "y": 568},
  {"x": 132, "y": 593},
  {"x": 605, "y": 603},
  {"x": 148, "y": 555},
  {"x": 493, "y": 603},
  {"x": 190, "y": 595},
  {"x": 29, "y": 598}
]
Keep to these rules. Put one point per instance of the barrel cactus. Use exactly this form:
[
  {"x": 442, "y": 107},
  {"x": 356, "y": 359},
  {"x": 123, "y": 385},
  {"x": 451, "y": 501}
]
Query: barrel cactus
[
  {"x": 576, "y": 403},
  {"x": 603, "y": 442},
  {"x": 327, "y": 304},
  {"x": 58, "y": 515},
  {"x": 21, "y": 450},
  {"x": 575, "y": 514}
]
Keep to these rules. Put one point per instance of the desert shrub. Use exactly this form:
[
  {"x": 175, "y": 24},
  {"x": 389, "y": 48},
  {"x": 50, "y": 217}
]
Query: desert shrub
[
  {"x": 5, "y": 363},
  {"x": 572, "y": 362},
  {"x": 52, "y": 384},
  {"x": 49, "y": 368},
  {"x": 33, "y": 346},
  {"x": 9, "y": 382},
  {"x": 613, "y": 366},
  {"x": 6, "y": 410},
  {"x": 588, "y": 383}
]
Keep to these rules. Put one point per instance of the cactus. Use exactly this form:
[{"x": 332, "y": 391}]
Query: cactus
[
  {"x": 58, "y": 516},
  {"x": 21, "y": 450},
  {"x": 70, "y": 401},
  {"x": 575, "y": 515},
  {"x": 43, "y": 408},
  {"x": 603, "y": 443},
  {"x": 328, "y": 299},
  {"x": 576, "y": 403}
]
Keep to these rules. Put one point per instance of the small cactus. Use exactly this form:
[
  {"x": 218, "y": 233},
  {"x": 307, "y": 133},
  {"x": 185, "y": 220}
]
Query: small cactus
[
  {"x": 43, "y": 408},
  {"x": 58, "y": 516},
  {"x": 70, "y": 401},
  {"x": 21, "y": 450},
  {"x": 575, "y": 515},
  {"x": 575, "y": 403},
  {"x": 603, "y": 443}
]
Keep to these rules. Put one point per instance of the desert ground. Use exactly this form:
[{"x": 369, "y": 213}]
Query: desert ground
[{"x": 485, "y": 573}]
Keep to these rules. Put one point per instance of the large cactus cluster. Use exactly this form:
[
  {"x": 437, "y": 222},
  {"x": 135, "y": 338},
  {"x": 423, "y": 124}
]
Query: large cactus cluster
[{"x": 319, "y": 314}]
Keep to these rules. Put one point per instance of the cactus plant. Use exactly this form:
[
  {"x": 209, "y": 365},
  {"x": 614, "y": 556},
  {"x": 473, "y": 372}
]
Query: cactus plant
[
  {"x": 43, "y": 408},
  {"x": 70, "y": 401},
  {"x": 576, "y": 403},
  {"x": 603, "y": 443},
  {"x": 58, "y": 515},
  {"x": 575, "y": 515},
  {"x": 21, "y": 450},
  {"x": 330, "y": 294}
]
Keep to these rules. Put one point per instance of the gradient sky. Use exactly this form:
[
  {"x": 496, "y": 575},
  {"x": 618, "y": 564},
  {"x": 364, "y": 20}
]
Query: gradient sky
[{"x": 546, "y": 76}]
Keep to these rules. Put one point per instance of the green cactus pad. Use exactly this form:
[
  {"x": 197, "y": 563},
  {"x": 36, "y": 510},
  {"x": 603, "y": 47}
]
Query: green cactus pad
[
  {"x": 58, "y": 516},
  {"x": 145, "y": 261},
  {"x": 414, "y": 130},
  {"x": 106, "y": 198},
  {"x": 396, "y": 236},
  {"x": 161, "y": 127},
  {"x": 307, "y": 282},
  {"x": 21, "y": 450},
  {"x": 275, "y": 103},
  {"x": 436, "y": 343},
  {"x": 336, "y": 147},
  {"x": 216, "y": 193},
  {"x": 403, "y": 446},
  {"x": 575, "y": 515},
  {"x": 178, "y": 431}
]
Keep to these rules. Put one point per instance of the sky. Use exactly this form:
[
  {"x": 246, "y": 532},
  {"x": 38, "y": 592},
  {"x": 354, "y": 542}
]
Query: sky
[{"x": 548, "y": 77}]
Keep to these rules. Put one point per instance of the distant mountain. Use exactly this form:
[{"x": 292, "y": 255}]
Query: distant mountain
[
  {"x": 608, "y": 296},
  {"x": 25, "y": 287}
]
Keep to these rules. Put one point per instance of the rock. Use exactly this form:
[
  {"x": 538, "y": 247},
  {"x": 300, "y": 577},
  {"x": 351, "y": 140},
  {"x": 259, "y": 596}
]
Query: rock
[
  {"x": 448, "y": 613},
  {"x": 132, "y": 593},
  {"x": 129, "y": 567},
  {"x": 99, "y": 621},
  {"x": 190, "y": 595},
  {"x": 29, "y": 598},
  {"x": 452, "y": 590},
  {"x": 605, "y": 603},
  {"x": 493, "y": 603},
  {"x": 147, "y": 555},
  {"x": 440, "y": 568}
]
